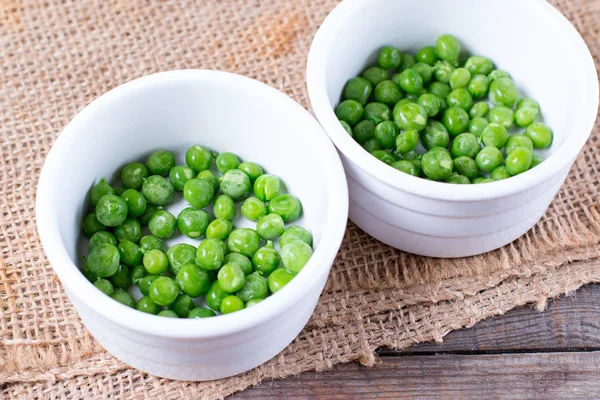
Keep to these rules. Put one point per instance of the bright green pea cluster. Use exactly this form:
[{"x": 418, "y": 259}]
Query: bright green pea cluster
[
  {"x": 230, "y": 268},
  {"x": 441, "y": 117}
]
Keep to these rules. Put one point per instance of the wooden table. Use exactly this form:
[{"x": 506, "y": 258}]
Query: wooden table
[{"x": 525, "y": 354}]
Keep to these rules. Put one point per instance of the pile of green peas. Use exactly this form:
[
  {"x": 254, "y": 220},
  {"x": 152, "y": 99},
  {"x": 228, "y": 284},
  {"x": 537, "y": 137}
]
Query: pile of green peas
[
  {"x": 442, "y": 117},
  {"x": 230, "y": 269}
]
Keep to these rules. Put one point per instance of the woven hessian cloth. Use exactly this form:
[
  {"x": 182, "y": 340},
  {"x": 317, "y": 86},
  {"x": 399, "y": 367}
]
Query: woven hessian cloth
[{"x": 57, "y": 56}]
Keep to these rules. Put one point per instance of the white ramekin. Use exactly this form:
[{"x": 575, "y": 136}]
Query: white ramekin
[
  {"x": 174, "y": 110},
  {"x": 529, "y": 38}
]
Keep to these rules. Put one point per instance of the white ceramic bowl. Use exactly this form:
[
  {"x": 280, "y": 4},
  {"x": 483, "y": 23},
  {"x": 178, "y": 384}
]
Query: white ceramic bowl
[
  {"x": 175, "y": 110},
  {"x": 530, "y": 39}
]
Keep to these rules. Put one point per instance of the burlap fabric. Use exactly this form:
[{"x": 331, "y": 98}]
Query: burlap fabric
[{"x": 57, "y": 56}]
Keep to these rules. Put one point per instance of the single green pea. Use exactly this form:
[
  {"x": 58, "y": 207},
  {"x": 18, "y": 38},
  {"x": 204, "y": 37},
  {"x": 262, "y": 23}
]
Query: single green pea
[
  {"x": 231, "y": 277},
  {"x": 111, "y": 210},
  {"x": 137, "y": 273},
  {"x": 122, "y": 278},
  {"x": 255, "y": 287},
  {"x": 278, "y": 279},
  {"x": 536, "y": 160},
  {"x": 375, "y": 75},
  {"x": 167, "y": 314},
  {"x": 192, "y": 222},
  {"x": 377, "y": 112},
  {"x": 266, "y": 259},
  {"x": 460, "y": 78},
  {"x": 219, "y": 228},
  {"x": 89, "y": 275},
  {"x": 435, "y": 134},
  {"x": 100, "y": 190},
  {"x": 410, "y": 81},
  {"x": 494, "y": 135},
  {"x": 481, "y": 179},
  {"x": 145, "y": 304},
  {"x": 407, "y": 141},
  {"x": 253, "y": 209},
  {"x": 387, "y": 92},
  {"x": 347, "y": 128},
  {"x": 489, "y": 158},
  {"x": 155, "y": 262},
  {"x": 253, "y": 170},
  {"x": 525, "y": 116},
  {"x": 198, "y": 158},
  {"x": 270, "y": 227},
  {"x": 231, "y": 304},
  {"x": 295, "y": 232},
  {"x": 447, "y": 47},
  {"x": 440, "y": 89},
  {"x": 479, "y": 65},
  {"x": 498, "y": 74},
  {"x": 104, "y": 286},
  {"x": 499, "y": 173},
  {"x": 160, "y": 162},
  {"x": 358, "y": 89},
  {"x": 437, "y": 163},
  {"x": 424, "y": 70},
  {"x": 295, "y": 255},
  {"x": 201, "y": 312},
  {"x": 133, "y": 175},
  {"x": 245, "y": 240},
  {"x": 408, "y": 167},
  {"x": 163, "y": 291},
  {"x": 540, "y": 135},
  {"x": 479, "y": 109},
  {"x": 427, "y": 55},
  {"x": 503, "y": 92},
  {"x": 389, "y": 57},
  {"x": 253, "y": 302},
  {"x": 442, "y": 71},
  {"x": 179, "y": 175},
  {"x": 529, "y": 103},
  {"x": 130, "y": 230},
  {"x": 407, "y": 61},
  {"x": 386, "y": 133},
  {"x": 502, "y": 115},
  {"x": 123, "y": 297},
  {"x": 91, "y": 225},
  {"x": 457, "y": 179},
  {"x": 150, "y": 242},
  {"x": 103, "y": 261},
  {"x": 478, "y": 86},
  {"x": 431, "y": 103},
  {"x": 383, "y": 156},
  {"x": 145, "y": 217},
  {"x": 466, "y": 166},
  {"x": 236, "y": 184},
  {"x": 210, "y": 254},
  {"x": 224, "y": 207},
  {"x": 157, "y": 190},
  {"x": 179, "y": 255},
  {"x": 199, "y": 193},
  {"x": 136, "y": 202},
  {"x": 478, "y": 125},
  {"x": 286, "y": 206},
  {"x": 515, "y": 141},
  {"x": 267, "y": 187},
  {"x": 456, "y": 120},
  {"x": 411, "y": 116},
  {"x": 193, "y": 280},
  {"x": 465, "y": 144},
  {"x": 101, "y": 237},
  {"x": 215, "y": 296},
  {"x": 363, "y": 131},
  {"x": 208, "y": 176},
  {"x": 162, "y": 224},
  {"x": 145, "y": 282},
  {"x": 349, "y": 111},
  {"x": 236, "y": 258},
  {"x": 518, "y": 160},
  {"x": 226, "y": 161},
  {"x": 371, "y": 145},
  {"x": 129, "y": 253},
  {"x": 460, "y": 98}
]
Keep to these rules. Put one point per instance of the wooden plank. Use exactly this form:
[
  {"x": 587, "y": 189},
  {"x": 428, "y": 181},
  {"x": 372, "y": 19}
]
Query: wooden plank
[{"x": 500, "y": 376}]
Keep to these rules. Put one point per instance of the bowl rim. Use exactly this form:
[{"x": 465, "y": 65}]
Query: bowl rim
[
  {"x": 561, "y": 159},
  {"x": 77, "y": 285}
]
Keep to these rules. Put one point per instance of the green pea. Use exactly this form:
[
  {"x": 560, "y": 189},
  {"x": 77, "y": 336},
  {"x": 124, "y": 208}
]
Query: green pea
[
  {"x": 525, "y": 116},
  {"x": 478, "y": 125},
  {"x": 278, "y": 279},
  {"x": 121, "y": 279},
  {"x": 479, "y": 109},
  {"x": 198, "y": 158},
  {"x": 499, "y": 173},
  {"x": 515, "y": 141},
  {"x": 478, "y": 86},
  {"x": 460, "y": 78},
  {"x": 460, "y": 98},
  {"x": 224, "y": 208},
  {"x": 236, "y": 258},
  {"x": 529, "y": 103},
  {"x": 295, "y": 255},
  {"x": 410, "y": 81},
  {"x": 424, "y": 70},
  {"x": 192, "y": 280},
  {"x": 136, "y": 202},
  {"x": 431, "y": 103},
  {"x": 358, "y": 89},
  {"x": 266, "y": 259},
  {"x": 465, "y": 144},
  {"x": 137, "y": 273},
  {"x": 111, "y": 210},
  {"x": 519, "y": 160},
  {"x": 295, "y": 232},
  {"x": 157, "y": 190},
  {"x": 442, "y": 71},
  {"x": 372, "y": 145},
  {"x": 235, "y": 184},
  {"x": 427, "y": 55},
  {"x": 437, "y": 163},
  {"x": 540, "y": 135},
  {"x": 389, "y": 57},
  {"x": 145, "y": 217},
  {"x": 160, "y": 162},
  {"x": 363, "y": 131},
  {"x": 435, "y": 134},
  {"x": 386, "y": 133},
  {"x": 145, "y": 304},
  {"x": 457, "y": 179},
  {"x": 162, "y": 224},
  {"x": 130, "y": 230},
  {"x": 245, "y": 240},
  {"x": 447, "y": 47},
  {"x": 479, "y": 65},
  {"x": 253, "y": 170},
  {"x": 286, "y": 206},
  {"x": 498, "y": 74},
  {"x": 456, "y": 120},
  {"x": 129, "y": 253},
  {"x": 210, "y": 253},
  {"x": 104, "y": 286},
  {"x": 151, "y": 242},
  {"x": 179, "y": 255},
  {"x": 91, "y": 225},
  {"x": 375, "y": 75},
  {"x": 133, "y": 175},
  {"x": 377, "y": 112},
  {"x": 226, "y": 161},
  {"x": 349, "y": 111},
  {"x": 101, "y": 237},
  {"x": 167, "y": 314},
  {"x": 270, "y": 227},
  {"x": 387, "y": 92},
  {"x": 502, "y": 115},
  {"x": 407, "y": 141},
  {"x": 192, "y": 222},
  {"x": 208, "y": 176},
  {"x": 253, "y": 302},
  {"x": 494, "y": 135},
  {"x": 440, "y": 89},
  {"x": 489, "y": 158},
  {"x": 231, "y": 277},
  {"x": 231, "y": 304},
  {"x": 123, "y": 297},
  {"x": 219, "y": 228},
  {"x": 536, "y": 160},
  {"x": 411, "y": 116},
  {"x": 103, "y": 261},
  {"x": 145, "y": 282},
  {"x": 347, "y": 128},
  {"x": 163, "y": 291},
  {"x": 199, "y": 193},
  {"x": 179, "y": 175},
  {"x": 408, "y": 167},
  {"x": 255, "y": 287},
  {"x": 481, "y": 179},
  {"x": 215, "y": 296},
  {"x": 407, "y": 61},
  {"x": 466, "y": 166},
  {"x": 383, "y": 156},
  {"x": 200, "y": 312},
  {"x": 155, "y": 262},
  {"x": 100, "y": 190},
  {"x": 503, "y": 92},
  {"x": 253, "y": 209}
]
